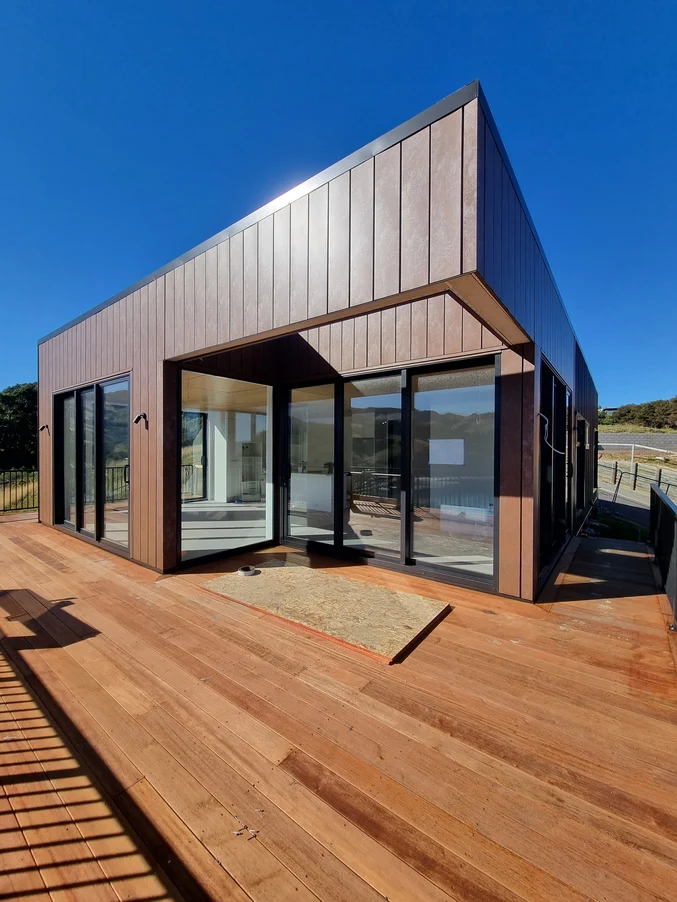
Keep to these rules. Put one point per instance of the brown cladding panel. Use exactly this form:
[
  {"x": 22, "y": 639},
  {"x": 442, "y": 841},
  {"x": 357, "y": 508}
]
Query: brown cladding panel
[
  {"x": 510, "y": 477},
  {"x": 528, "y": 537},
  {"x": 472, "y": 332},
  {"x": 335, "y": 346},
  {"x": 150, "y": 406},
  {"x": 436, "y": 326},
  {"x": 281, "y": 241},
  {"x": 387, "y": 222},
  {"x": 179, "y": 295},
  {"x": 223, "y": 292},
  {"x": 160, "y": 319},
  {"x": 211, "y": 298},
  {"x": 470, "y": 158},
  {"x": 318, "y": 253},
  {"x": 374, "y": 346},
  {"x": 388, "y": 335},
  {"x": 419, "y": 329},
  {"x": 265, "y": 275},
  {"x": 415, "y": 210},
  {"x": 453, "y": 325},
  {"x": 298, "y": 302},
  {"x": 200, "y": 302},
  {"x": 362, "y": 233},
  {"x": 360, "y": 342},
  {"x": 339, "y": 242},
  {"x": 169, "y": 314},
  {"x": 403, "y": 333},
  {"x": 236, "y": 286},
  {"x": 189, "y": 305},
  {"x": 348, "y": 344},
  {"x": 251, "y": 269},
  {"x": 445, "y": 196}
]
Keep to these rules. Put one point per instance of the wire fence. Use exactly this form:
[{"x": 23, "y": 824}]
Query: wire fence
[
  {"x": 18, "y": 490},
  {"x": 638, "y": 477}
]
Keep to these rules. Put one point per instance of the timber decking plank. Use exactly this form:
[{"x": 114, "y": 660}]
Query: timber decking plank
[{"x": 473, "y": 761}]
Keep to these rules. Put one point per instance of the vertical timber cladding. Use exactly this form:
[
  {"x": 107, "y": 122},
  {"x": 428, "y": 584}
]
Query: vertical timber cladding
[
  {"x": 403, "y": 217},
  {"x": 128, "y": 336}
]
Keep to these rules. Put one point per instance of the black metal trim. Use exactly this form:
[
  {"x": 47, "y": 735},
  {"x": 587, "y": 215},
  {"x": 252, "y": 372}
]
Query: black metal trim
[
  {"x": 497, "y": 472},
  {"x": 406, "y": 452},
  {"x": 339, "y": 456},
  {"x": 422, "y": 120}
]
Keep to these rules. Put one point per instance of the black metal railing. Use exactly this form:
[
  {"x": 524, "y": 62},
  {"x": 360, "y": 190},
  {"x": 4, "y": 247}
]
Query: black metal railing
[
  {"x": 365, "y": 485},
  {"x": 427, "y": 491},
  {"x": 636, "y": 481},
  {"x": 18, "y": 490},
  {"x": 663, "y": 537},
  {"x": 116, "y": 483}
]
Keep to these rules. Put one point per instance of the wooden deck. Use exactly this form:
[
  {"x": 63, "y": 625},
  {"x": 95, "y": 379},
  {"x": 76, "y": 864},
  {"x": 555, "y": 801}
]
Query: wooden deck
[{"x": 519, "y": 753}]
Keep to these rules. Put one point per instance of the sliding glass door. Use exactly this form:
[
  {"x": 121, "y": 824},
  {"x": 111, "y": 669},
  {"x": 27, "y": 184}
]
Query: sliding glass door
[
  {"x": 69, "y": 467},
  {"x": 416, "y": 454},
  {"x": 115, "y": 438},
  {"x": 92, "y": 461},
  {"x": 452, "y": 493},
  {"x": 310, "y": 503},
  {"x": 372, "y": 462},
  {"x": 88, "y": 445},
  {"x": 226, "y": 464}
]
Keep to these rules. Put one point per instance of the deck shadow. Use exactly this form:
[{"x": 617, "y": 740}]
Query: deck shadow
[{"x": 24, "y": 693}]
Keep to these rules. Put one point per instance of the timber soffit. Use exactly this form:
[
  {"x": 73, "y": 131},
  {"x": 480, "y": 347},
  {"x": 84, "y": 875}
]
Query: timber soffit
[{"x": 437, "y": 111}]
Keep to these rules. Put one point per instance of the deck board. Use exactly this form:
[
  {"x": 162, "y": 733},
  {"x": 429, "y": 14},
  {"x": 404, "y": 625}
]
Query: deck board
[{"x": 520, "y": 752}]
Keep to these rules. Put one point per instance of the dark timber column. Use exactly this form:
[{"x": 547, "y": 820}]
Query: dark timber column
[
  {"x": 530, "y": 464},
  {"x": 168, "y": 523},
  {"x": 510, "y": 480}
]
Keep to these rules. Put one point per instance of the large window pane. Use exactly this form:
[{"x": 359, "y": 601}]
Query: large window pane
[
  {"x": 69, "y": 481},
  {"x": 372, "y": 464},
  {"x": 311, "y": 456},
  {"x": 453, "y": 469},
  {"x": 88, "y": 433},
  {"x": 115, "y": 430},
  {"x": 226, "y": 464},
  {"x": 193, "y": 455}
]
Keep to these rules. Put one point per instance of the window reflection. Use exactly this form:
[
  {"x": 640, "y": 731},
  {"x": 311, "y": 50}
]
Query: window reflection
[
  {"x": 311, "y": 458},
  {"x": 372, "y": 464},
  {"x": 226, "y": 464},
  {"x": 453, "y": 469},
  {"x": 115, "y": 431}
]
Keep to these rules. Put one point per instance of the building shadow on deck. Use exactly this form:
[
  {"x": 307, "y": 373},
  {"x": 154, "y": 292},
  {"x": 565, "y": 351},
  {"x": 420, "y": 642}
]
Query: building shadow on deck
[
  {"x": 605, "y": 568},
  {"x": 68, "y": 826}
]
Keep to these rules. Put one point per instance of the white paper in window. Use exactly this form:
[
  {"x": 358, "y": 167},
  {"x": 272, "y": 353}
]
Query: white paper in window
[{"x": 446, "y": 451}]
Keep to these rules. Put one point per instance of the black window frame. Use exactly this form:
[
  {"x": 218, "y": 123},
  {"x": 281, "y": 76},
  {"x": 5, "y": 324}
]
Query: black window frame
[{"x": 100, "y": 486}]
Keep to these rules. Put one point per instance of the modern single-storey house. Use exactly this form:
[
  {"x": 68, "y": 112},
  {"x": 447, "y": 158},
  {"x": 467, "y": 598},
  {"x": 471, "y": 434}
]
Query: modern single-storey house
[{"x": 376, "y": 365}]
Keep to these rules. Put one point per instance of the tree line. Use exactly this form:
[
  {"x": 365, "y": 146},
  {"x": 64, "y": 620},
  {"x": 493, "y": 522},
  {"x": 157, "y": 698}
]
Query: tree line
[
  {"x": 19, "y": 427},
  {"x": 650, "y": 414}
]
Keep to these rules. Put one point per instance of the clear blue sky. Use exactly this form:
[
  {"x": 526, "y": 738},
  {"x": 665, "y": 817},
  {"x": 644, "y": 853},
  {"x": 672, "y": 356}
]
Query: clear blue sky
[{"x": 132, "y": 131}]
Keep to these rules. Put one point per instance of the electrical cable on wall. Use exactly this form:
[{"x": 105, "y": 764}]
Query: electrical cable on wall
[{"x": 545, "y": 436}]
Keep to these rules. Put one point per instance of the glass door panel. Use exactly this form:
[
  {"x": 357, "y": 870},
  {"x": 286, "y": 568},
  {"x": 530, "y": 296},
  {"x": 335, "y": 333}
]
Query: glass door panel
[
  {"x": 69, "y": 470},
  {"x": 372, "y": 464},
  {"x": 88, "y": 452},
  {"x": 115, "y": 434},
  {"x": 310, "y": 511},
  {"x": 226, "y": 464},
  {"x": 453, "y": 469},
  {"x": 193, "y": 455}
]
